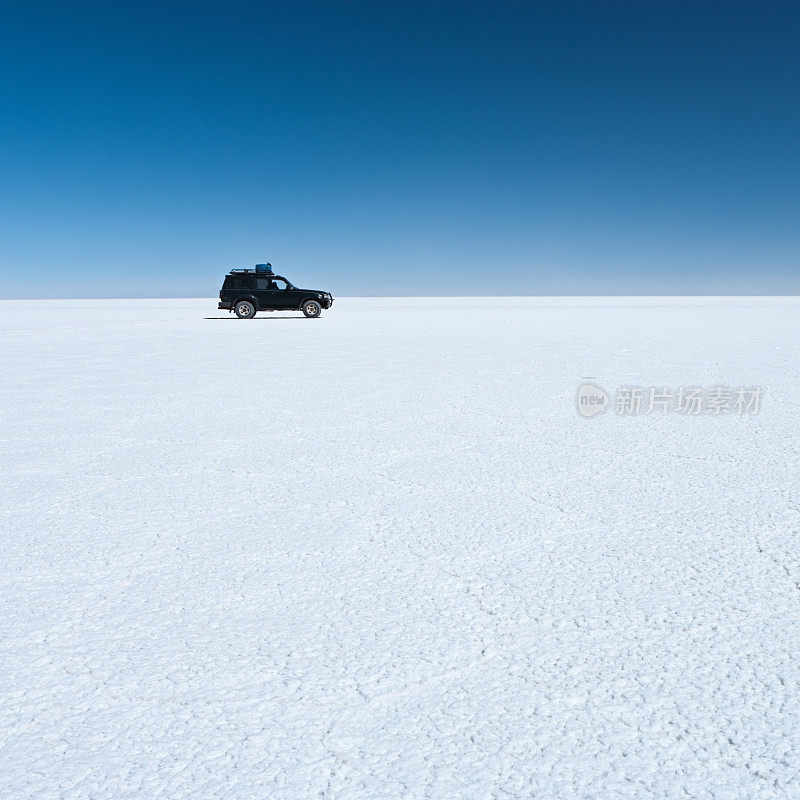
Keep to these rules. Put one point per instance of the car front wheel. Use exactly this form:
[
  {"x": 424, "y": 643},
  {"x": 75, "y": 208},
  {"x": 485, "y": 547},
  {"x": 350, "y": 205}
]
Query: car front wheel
[
  {"x": 245, "y": 310},
  {"x": 311, "y": 308}
]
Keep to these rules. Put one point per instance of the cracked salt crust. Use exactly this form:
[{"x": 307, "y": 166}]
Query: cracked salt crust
[{"x": 379, "y": 554}]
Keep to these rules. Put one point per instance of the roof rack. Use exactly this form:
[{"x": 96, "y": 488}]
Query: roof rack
[{"x": 262, "y": 269}]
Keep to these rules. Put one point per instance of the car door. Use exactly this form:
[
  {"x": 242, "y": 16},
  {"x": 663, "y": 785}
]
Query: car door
[
  {"x": 284, "y": 296},
  {"x": 266, "y": 293}
]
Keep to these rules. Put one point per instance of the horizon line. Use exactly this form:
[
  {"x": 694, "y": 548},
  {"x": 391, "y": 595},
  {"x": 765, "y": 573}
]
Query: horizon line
[{"x": 401, "y": 296}]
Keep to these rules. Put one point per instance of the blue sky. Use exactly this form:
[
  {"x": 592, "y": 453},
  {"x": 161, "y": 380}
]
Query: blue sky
[{"x": 400, "y": 147}]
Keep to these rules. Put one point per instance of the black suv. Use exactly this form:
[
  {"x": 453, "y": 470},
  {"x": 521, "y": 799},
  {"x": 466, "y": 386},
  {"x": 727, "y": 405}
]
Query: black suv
[{"x": 246, "y": 291}]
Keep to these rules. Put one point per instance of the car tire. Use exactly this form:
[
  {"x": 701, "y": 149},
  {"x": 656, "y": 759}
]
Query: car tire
[
  {"x": 311, "y": 308},
  {"x": 245, "y": 309}
]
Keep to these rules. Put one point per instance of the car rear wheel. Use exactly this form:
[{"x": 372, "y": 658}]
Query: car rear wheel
[
  {"x": 245, "y": 309},
  {"x": 311, "y": 308}
]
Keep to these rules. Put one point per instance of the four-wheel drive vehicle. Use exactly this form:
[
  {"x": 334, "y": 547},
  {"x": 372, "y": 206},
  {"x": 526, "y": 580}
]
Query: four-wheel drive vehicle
[{"x": 246, "y": 291}]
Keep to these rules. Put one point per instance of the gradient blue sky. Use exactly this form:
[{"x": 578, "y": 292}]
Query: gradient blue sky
[{"x": 400, "y": 147}]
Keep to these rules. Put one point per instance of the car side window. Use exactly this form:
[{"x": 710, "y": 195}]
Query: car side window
[
  {"x": 263, "y": 283},
  {"x": 279, "y": 284},
  {"x": 236, "y": 282}
]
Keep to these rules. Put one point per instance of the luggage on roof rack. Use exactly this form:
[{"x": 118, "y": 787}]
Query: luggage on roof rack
[{"x": 261, "y": 269}]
